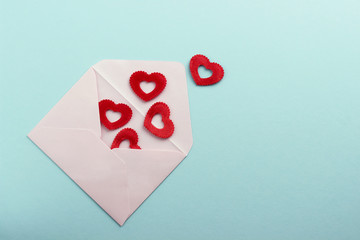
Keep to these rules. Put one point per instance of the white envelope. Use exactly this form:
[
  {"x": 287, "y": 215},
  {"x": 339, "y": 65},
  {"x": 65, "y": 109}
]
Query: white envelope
[{"x": 118, "y": 180}]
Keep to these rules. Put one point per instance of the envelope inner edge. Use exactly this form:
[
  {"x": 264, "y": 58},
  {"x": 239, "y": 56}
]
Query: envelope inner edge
[{"x": 132, "y": 104}]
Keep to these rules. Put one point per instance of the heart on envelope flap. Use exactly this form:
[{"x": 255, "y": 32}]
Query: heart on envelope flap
[
  {"x": 126, "y": 134},
  {"x": 140, "y": 76},
  {"x": 164, "y": 110},
  {"x": 106, "y": 105}
]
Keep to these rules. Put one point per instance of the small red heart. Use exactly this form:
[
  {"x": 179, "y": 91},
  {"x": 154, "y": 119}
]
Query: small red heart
[
  {"x": 140, "y": 76},
  {"x": 126, "y": 134},
  {"x": 106, "y": 105},
  {"x": 200, "y": 60},
  {"x": 164, "y": 110}
]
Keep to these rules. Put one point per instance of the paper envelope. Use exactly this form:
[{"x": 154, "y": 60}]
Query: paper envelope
[{"x": 119, "y": 179}]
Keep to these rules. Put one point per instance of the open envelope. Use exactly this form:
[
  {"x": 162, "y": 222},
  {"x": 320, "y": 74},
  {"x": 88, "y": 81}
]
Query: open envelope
[{"x": 71, "y": 134}]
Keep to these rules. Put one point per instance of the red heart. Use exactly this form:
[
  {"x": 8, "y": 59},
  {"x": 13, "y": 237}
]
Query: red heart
[
  {"x": 126, "y": 134},
  {"x": 106, "y": 105},
  {"x": 200, "y": 60},
  {"x": 164, "y": 110},
  {"x": 140, "y": 76}
]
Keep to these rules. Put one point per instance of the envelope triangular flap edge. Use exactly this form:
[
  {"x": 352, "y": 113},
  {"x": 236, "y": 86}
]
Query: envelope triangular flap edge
[
  {"x": 78, "y": 108},
  {"x": 90, "y": 164},
  {"x": 146, "y": 170},
  {"x": 117, "y": 180}
]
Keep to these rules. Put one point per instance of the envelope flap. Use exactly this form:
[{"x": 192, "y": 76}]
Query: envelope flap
[
  {"x": 146, "y": 169},
  {"x": 90, "y": 164},
  {"x": 147, "y": 140},
  {"x": 118, "y": 72},
  {"x": 78, "y": 108}
]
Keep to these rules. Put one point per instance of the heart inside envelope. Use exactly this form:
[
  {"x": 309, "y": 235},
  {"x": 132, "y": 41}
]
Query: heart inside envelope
[
  {"x": 162, "y": 109},
  {"x": 108, "y": 105},
  {"x": 140, "y": 76},
  {"x": 126, "y": 134}
]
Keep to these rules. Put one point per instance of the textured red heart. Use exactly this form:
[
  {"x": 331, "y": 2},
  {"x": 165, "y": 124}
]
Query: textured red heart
[
  {"x": 106, "y": 105},
  {"x": 140, "y": 76},
  {"x": 200, "y": 60},
  {"x": 126, "y": 134},
  {"x": 164, "y": 110}
]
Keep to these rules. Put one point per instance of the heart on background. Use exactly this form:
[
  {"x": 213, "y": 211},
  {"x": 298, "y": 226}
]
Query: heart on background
[
  {"x": 137, "y": 77},
  {"x": 200, "y": 60},
  {"x": 164, "y": 110},
  {"x": 106, "y": 105},
  {"x": 126, "y": 134}
]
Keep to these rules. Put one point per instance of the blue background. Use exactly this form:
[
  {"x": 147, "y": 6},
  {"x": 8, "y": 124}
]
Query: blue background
[{"x": 276, "y": 151}]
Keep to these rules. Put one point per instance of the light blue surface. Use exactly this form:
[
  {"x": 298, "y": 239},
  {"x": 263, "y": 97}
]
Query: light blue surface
[{"x": 276, "y": 151}]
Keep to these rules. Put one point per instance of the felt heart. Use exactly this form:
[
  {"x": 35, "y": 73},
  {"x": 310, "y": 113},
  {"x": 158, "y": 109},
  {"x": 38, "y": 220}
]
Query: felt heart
[
  {"x": 140, "y": 76},
  {"x": 200, "y": 60},
  {"x": 126, "y": 134},
  {"x": 164, "y": 110},
  {"x": 106, "y": 105}
]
